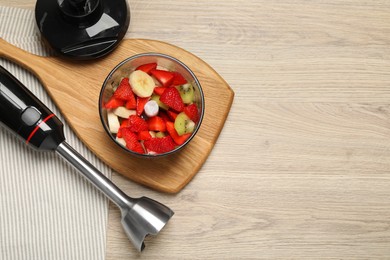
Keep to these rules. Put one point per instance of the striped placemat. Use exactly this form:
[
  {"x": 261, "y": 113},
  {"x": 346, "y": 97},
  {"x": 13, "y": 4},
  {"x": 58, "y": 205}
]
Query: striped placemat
[{"x": 47, "y": 210}]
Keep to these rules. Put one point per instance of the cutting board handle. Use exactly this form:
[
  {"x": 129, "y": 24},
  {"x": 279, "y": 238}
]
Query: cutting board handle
[
  {"x": 74, "y": 85},
  {"x": 23, "y": 58}
]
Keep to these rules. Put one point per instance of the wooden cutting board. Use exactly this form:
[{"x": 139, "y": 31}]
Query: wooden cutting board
[{"x": 75, "y": 86}]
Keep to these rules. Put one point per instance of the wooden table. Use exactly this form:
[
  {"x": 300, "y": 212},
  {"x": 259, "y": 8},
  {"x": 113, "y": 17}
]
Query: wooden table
[{"x": 301, "y": 168}]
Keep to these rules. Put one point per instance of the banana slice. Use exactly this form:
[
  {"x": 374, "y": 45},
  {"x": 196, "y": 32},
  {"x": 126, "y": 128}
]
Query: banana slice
[
  {"x": 123, "y": 112},
  {"x": 141, "y": 83},
  {"x": 121, "y": 141},
  {"x": 113, "y": 122}
]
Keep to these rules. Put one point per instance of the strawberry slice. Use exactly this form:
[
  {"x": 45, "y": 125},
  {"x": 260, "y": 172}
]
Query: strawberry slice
[
  {"x": 178, "y": 79},
  {"x": 147, "y": 67},
  {"x": 171, "y": 97},
  {"x": 114, "y": 103},
  {"x": 141, "y": 104},
  {"x": 136, "y": 124},
  {"x": 159, "y": 90},
  {"x": 123, "y": 125},
  {"x": 131, "y": 104},
  {"x": 160, "y": 145},
  {"x": 178, "y": 139},
  {"x": 156, "y": 123},
  {"x": 172, "y": 115},
  {"x": 192, "y": 112},
  {"x": 163, "y": 76},
  {"x": 144, "y": 135},
  {"x": 131, "y": 140},
  {"x": 164, "y": 116},
  {"x": 124, "y": 91}
]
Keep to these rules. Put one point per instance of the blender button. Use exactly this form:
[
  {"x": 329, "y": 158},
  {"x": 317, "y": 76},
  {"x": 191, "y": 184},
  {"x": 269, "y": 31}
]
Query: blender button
[{"x": 31, "y": 116}]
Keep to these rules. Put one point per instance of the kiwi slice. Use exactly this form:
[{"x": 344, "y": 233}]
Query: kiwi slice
[
  {"x": 160, "y": 134},
  {"x": 160, "y": 104},
  {"x": 183, "y": 124},
  {"x": 186, "y": 92}
]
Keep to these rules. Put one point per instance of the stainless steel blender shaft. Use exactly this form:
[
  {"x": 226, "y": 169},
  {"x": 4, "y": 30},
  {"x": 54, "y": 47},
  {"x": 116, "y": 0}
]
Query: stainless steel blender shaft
[
  {"x": 94, "y": 175},
  {"x": 140, "y": 216}
]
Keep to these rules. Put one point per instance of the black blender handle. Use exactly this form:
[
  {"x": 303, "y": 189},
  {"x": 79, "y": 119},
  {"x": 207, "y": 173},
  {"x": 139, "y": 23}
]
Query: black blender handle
[{"x": 24, "y": 114}]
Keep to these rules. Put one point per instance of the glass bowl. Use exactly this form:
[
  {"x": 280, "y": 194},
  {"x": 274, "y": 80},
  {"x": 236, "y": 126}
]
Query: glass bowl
[{"x": 123, "y": 70}]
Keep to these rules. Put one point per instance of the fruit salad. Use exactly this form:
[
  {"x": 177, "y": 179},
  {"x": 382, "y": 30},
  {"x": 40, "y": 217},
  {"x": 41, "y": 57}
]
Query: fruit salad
[{"x": 152, "y": 110}]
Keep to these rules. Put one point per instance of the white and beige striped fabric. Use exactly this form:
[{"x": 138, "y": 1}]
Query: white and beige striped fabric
[{"x": 47, "y": 210}]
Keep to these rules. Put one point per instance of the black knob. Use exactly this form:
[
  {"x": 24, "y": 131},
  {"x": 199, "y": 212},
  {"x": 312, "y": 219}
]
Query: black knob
[
  {"x": 80, "y": 12},
  {"x": 78, "y": 4}
]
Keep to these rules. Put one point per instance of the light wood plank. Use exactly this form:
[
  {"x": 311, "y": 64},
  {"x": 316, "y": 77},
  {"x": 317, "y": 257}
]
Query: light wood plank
[{"x": 301, "y": 169}]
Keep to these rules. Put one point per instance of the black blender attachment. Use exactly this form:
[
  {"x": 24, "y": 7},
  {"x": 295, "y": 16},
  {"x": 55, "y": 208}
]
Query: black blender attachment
[
  {"x": 26, "y": 116},
  {"x": 82, "y": 29}
]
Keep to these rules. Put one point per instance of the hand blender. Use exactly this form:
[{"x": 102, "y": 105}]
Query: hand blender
[{"x": 26, "y": 116}]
